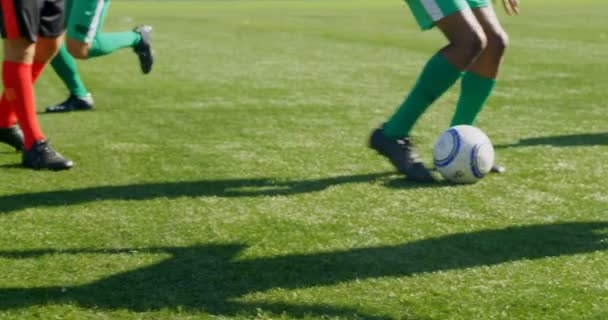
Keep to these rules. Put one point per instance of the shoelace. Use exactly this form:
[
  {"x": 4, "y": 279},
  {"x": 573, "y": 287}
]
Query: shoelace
[{"x": 44, "y": 148}]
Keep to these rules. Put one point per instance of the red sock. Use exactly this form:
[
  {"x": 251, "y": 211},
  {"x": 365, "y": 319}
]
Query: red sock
[
  {"x": 37, "y": 68},
  {"x": 8, "y": 115},
  {"x": 19, "y": 92}
]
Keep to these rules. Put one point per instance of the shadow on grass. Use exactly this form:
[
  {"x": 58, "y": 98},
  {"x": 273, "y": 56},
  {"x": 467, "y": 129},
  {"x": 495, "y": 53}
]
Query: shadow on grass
[
  {"x": 208, "y": 278},
  {"x": 575, "y": 140},
  {"x": 205, "y": 188}
]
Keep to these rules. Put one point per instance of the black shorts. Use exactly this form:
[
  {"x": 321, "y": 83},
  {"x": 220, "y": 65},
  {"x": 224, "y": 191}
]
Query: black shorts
[{"x": 32, "y": 18}]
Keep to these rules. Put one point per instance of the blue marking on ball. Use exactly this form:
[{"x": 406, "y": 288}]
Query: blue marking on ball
[
  {"x": 474, "y": 165},
  {"x": 453, "y": 153}
]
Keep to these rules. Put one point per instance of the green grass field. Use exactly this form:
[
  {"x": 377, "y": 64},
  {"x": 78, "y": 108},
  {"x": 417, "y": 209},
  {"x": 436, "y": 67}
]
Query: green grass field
[{"x": 235, "y": 182}]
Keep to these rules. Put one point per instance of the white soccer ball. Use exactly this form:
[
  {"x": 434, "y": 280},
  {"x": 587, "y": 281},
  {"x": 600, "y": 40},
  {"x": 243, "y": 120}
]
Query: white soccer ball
[{"x": 463, "y": 154}]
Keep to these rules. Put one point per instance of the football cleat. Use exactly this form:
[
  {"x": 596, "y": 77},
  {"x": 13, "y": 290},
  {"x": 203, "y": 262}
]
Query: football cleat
[
  {"x": 13, "y": 136},
  {"x": 73, "y": 103},
  {"x": 42, "y": 156},
  {"x": 401, "y": 153},
  {"x": 144, "y": 48}
]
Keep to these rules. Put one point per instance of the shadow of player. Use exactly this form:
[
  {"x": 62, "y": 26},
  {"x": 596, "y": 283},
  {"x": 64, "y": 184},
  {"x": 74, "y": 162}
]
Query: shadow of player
[
  {"x": 575, "y": 140},
  {"x": 209, "y": 278}
]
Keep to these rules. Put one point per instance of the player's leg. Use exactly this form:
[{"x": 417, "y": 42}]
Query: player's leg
[
  {"x": 480, "y": 78},
  {"x": 79, "y": 97},
  {"x": 85, "y": 44},
  {"x": 65, "y": 65},
  {"x": 41, "y": 155},
  {"x": 19, "y": 69},
  {"x": 466, "y": 40},
  {"x": 10, "y": 132},
  {"x": 19, "y": 51},
  {"x": 18, "y": 55},
  {"x": 22, "y": 22}
]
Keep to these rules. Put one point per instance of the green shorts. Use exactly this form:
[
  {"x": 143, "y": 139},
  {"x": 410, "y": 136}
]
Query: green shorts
[
  {"x": 84, "y": 18},
  {"x": 427, "y": 12}
]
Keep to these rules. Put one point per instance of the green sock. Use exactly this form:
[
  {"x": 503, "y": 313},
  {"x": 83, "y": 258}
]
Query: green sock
[
  {"x": 436, "y": 78},
  {"x": 65, "y": 67},
  {"x": 106, "y": 43},
  {"x": 474, "y": 93}
]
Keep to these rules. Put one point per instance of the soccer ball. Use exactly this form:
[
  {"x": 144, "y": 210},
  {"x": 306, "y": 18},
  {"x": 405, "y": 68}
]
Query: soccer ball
[{"x": 463, "y": 154}]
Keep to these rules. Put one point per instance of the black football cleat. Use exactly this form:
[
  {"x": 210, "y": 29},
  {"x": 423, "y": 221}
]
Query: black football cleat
[
  {"x": 401, "y": 153},
  {"x": 42, "y": 156},
  {"x": 73, "y": 103},
  {"x": 144, "y": 48},
  {"x": 13, "y": 136}
]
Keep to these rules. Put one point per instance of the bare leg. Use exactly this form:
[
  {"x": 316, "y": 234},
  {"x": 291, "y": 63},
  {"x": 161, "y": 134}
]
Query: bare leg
[
  {"x": 46, "y": 49},
  {"x": 19, "y": 50},
  {"x": 466, "y": 37},
  {"x": 488, "y": 62},
  {"x": 466, "y": 42}
]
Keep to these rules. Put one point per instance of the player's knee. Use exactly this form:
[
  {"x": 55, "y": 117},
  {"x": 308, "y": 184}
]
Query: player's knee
[
  {"x": 477, "y": 43},
  {"x": 472, "y": 45},
  {"x": 498, "y": 42},
  {"x": 77, "y": 49},
  {"x": 19, "y": 50}
]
